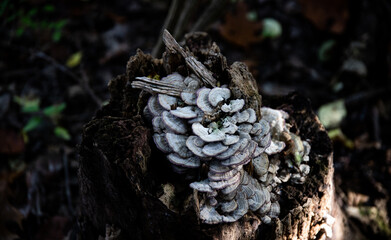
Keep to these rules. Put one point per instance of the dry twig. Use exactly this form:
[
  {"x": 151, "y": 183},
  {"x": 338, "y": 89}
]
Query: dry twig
[
  {"x": 197, "y": 67},
  {"x": 82, "y": 81}
]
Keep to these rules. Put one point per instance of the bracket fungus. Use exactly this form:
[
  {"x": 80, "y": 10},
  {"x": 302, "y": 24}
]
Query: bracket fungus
[{"x": 199, "y": 125}]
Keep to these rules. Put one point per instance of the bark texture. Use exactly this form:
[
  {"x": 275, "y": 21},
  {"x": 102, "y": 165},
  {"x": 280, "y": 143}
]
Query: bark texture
[{"x": 128, "y": 190}]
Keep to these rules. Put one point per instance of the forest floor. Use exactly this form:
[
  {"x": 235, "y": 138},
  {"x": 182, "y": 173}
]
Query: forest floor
[{"x": 57, "y": 58}]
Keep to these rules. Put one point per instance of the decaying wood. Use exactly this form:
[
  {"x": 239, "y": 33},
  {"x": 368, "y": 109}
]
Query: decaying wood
[
  {"x": 151, "y": 86},
  {"x": 126, "y": 184},
  {"x": 243, "y": 86},
  {"x": 195, "y": 66}
]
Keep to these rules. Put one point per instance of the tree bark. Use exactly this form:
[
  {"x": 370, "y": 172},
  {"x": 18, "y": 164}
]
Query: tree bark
[{"x": 128, "y": 190}]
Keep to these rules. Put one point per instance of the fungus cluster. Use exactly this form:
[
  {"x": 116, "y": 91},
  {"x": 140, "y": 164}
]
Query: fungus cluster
[{"x": 200, "y": 125}]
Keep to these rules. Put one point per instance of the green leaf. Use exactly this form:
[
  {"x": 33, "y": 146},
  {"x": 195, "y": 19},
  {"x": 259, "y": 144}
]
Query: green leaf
[
  {"x": 62, "y": 133},
  {"x": 31, "y": 106},
  {"x": 28, "y": 105},
  {"x": 60, "y": 24},
  {"x": 19, "y": 100},
  {"x": 74, "y": 59},
  {"x": 325, "y": 49},
  {"x": 337, "y": 134},
  {"x": 56, "y": 36},
  {"x": 271, "y": 28},
  {"x": 48, "y": 8},
  {"x": 32, "y": 124},
  {"x": 25, "y": 137},
  {"x": 19, "y": 32},
  {"x": 54, "y": 110}
]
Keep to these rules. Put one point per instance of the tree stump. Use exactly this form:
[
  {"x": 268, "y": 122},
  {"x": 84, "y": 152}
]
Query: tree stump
[{"x": 128, "y": 190}]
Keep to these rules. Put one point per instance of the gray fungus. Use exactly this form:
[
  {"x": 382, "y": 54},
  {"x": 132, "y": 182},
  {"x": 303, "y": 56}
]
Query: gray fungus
[{"x": 196, "y": 126}]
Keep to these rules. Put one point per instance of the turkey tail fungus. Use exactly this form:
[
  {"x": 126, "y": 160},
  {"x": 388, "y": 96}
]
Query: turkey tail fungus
[{"x": 186, "y": 149}]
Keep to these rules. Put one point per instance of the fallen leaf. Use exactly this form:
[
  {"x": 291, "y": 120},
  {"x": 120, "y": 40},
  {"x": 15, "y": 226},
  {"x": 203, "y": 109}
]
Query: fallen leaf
[
  {"x": 11, "y": 142},
  {"x": 238, "y": 29},
  {"x": 330, "y": 15},
  {"x": 355, "y": 66},
  {"x": 332, "y": 114},
  {"x": 74, "y": 60},
  {"x": 357, "y": 199}
]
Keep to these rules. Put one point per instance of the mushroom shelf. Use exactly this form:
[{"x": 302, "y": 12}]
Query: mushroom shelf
[
  {"x": 197, "y": 155},
  {"x": 196, "y": 126}
]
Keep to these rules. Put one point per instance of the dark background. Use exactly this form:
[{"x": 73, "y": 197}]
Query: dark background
[{"x": 57, "y": 57}]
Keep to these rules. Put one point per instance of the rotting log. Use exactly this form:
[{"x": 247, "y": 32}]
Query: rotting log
[{"x": 128, "y": 190}]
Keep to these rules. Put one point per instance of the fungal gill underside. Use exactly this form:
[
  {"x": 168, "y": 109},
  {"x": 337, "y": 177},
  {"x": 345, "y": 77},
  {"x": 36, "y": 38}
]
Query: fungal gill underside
[{"x": 197, "y": 125}]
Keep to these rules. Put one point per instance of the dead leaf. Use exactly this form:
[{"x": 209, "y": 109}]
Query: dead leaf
[
  {"x": 330, "y": 15},
  {"x": 11, "y": 142},
  {"x": 332, "y": 114},
  {"x": 357, "y": 199},
  {"x": 239, "y": 30}
]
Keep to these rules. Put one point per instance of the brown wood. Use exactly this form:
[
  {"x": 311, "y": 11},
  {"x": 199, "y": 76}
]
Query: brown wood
[{"x": 128, "y": 190}]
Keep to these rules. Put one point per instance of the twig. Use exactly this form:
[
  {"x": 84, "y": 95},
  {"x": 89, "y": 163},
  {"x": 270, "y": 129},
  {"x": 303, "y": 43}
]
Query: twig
[
  {"x": 67, "y": 182},
  {"x": 212, "y": 12},
  {"x": 174, "y": 8},
  {"x": 186, "y": 13},
  {"x": 197, "y": 67},
  {"x": 376, "y": 126},
  {"x": 83, "y": 82},
  {"x": 215, "y": 8},
  {"x": 360, "y": 97}
]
